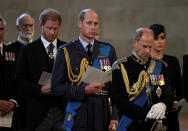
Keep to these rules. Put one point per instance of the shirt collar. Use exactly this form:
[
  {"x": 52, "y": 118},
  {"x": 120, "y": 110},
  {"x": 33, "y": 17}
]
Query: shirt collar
[
  {"x": 46, "y": 43},
  {"x": 84, "y": 44}
]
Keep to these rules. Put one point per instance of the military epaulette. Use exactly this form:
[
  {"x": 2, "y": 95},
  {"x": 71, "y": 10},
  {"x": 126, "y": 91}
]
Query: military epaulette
[
  {"x": 117, "y": 62},
  {"x": 156, "y": 59},
  {"x": 103, "y": 43},
  {"x": 67, "y": 44},
  {"x": 5, "y": 42}
]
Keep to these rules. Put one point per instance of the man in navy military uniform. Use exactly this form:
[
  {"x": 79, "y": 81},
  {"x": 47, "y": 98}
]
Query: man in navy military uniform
[
  {"x": 87, "y": 107},
  {"x": 140, "y": 87}
]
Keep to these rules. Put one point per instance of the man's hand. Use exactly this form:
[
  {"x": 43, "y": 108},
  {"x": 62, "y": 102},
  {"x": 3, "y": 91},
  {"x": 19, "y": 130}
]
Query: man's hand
[
  {"x": 93, "y": 88},
  {"x": 6, "y": 107},
  {"x": 113, "y": 125},
  {"x": 46, "y": 90}
]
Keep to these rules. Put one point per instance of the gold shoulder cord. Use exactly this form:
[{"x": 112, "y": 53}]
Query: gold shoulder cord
[
  {"x": 83, "y": 65},
  {"x": 143, "y": 81}
]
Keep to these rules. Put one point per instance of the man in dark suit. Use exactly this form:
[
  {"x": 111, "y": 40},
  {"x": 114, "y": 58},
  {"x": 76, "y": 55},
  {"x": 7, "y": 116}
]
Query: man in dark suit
[
  {"x": 44, "y": 111},
  {"x": 87, "y": 107}
]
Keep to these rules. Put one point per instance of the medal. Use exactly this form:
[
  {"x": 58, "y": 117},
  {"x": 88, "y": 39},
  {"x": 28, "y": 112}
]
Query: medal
[
  {"x": 104, "y": 64},
  {"x": 51, "y": 55},
  {"x": 158, "y": 91}
]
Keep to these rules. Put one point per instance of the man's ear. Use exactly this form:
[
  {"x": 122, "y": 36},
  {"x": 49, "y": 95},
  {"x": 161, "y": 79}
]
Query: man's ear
[
  {"x": 41, "y": 26},
  {"x": 17, "y": 28},
  {"x": 134, "y": 43},
  {"x": 79, "y": 24}
]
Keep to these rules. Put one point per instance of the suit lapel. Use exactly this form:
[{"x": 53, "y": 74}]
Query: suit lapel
[{"x": 59, "y": 43}]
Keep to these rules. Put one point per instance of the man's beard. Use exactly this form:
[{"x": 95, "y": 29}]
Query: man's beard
[{"x": 27, "y": 35}]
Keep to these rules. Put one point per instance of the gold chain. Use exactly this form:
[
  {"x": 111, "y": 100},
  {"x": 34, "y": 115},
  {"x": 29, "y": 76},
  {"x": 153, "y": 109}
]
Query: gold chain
[
  {"x": 83, "y": 65},
  {"x": 143, "y": 81}
]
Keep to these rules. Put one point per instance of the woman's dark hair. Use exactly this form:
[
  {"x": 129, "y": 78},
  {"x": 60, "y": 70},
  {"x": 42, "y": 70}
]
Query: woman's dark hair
[{"x": 157, "y": 29}]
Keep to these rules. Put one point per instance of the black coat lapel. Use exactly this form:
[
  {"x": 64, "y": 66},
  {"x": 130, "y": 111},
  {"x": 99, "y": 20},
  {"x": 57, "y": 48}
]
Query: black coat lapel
[{"x": 43, "y": 56}]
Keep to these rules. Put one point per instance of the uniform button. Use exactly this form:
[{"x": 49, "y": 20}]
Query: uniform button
[{"x": 76, "y": 69}]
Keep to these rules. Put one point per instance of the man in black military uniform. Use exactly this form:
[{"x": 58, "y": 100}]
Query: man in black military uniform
[
  {"x": 140, "y": 89},
  {"x": 8, "y": 101},
  {"x": 87, "y": 107},
  {"x": 25, "y": 27}
]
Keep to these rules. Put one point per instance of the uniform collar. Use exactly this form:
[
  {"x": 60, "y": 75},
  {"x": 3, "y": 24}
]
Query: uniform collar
[{"x": 139, "y": 59}]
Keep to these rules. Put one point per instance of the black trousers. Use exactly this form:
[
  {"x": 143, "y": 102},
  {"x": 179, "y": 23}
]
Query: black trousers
[{"x": 52, "y": 120}]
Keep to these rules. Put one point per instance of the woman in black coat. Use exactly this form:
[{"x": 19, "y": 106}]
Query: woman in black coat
[{"x": 174, "y": 73}]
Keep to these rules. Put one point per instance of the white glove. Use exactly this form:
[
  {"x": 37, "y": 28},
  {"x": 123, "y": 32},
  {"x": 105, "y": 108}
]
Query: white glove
[{"x": 157, "y": 111}]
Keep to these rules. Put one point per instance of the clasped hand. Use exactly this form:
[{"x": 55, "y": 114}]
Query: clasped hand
[
  {"x": 6, "y": 107},
  {"x": 157, "y": 111},
  {"x": 93, "y": 88},
  {"x": 46, "y": 90}
]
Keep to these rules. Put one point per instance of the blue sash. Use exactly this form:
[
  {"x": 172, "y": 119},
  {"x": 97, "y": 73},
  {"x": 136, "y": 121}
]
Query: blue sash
[
  {"x": 71, "y": 107},
  {"x": 140, "y": 101}
]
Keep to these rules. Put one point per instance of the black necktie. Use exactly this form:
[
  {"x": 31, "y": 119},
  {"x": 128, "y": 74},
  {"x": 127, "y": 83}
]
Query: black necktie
[{"x": 89, "y": 50}]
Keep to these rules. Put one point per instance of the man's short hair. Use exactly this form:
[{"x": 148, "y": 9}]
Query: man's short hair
[
  {"x": 3, "y": 20},
  {"x": 82, "y": 14},
  {"x": 50, "y": 14},
  {"x": 21, "y": 17},
  {"x": 140, "y": 32}
]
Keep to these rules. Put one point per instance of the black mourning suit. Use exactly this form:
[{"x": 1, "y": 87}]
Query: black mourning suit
[{"x": 33, "y": 60}]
